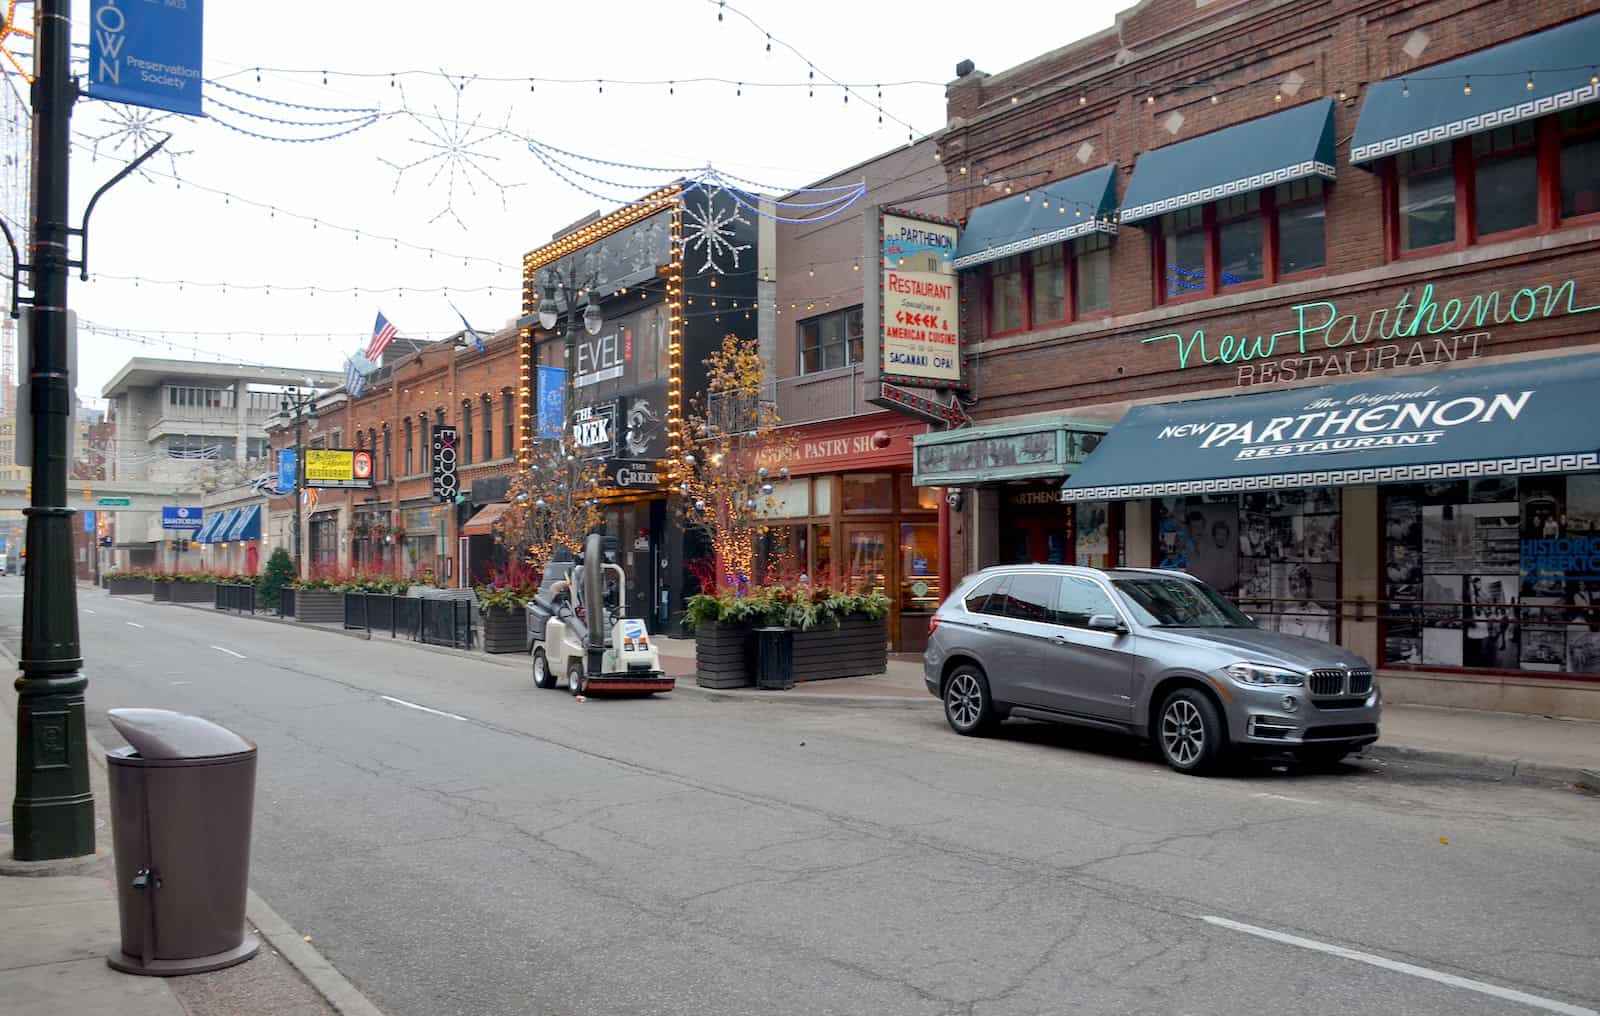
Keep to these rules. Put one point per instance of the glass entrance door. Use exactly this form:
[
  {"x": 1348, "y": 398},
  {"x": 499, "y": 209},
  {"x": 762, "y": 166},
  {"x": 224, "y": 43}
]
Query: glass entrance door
[{"x": 866, "y": 558}]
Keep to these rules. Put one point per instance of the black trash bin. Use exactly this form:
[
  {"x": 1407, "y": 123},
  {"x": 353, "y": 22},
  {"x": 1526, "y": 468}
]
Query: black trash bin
[
  {"x": 774, "y": 659},
  {"x": 182, "y": 796}
]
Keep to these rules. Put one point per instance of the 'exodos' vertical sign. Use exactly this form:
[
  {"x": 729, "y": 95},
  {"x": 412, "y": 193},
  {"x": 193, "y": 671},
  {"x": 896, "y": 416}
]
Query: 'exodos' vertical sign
[{"x": 147, "y": 54}]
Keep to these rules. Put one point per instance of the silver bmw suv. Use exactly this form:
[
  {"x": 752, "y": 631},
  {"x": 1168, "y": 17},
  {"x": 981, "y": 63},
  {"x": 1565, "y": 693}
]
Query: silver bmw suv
[{"x": 1157, "y": 654}]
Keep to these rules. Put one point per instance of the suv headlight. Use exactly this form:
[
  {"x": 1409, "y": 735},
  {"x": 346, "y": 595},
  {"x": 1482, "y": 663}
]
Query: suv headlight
[{"x": 1262, "y": 674}]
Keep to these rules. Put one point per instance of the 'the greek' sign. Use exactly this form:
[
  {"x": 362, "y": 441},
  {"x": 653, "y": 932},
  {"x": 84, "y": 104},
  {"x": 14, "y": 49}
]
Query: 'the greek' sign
[{"x": 147, "y": 53}]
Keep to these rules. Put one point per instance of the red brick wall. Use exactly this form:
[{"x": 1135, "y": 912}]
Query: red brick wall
[{"x": 1183, "y": 53}]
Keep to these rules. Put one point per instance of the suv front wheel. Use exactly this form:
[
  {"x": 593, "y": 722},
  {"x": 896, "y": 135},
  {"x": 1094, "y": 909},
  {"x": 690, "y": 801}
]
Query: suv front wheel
[
  {"x": 1190, "y": 732},
  {"x": 967, "y": 705}
]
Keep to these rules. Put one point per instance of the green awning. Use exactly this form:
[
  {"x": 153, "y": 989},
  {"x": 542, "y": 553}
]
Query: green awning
[
  {"x": 1017, "y": 449},
  {"x": 1058, "y": 211},
  {"x": 1290, "y": 145},
  {"x": 1409, "y": 112}
]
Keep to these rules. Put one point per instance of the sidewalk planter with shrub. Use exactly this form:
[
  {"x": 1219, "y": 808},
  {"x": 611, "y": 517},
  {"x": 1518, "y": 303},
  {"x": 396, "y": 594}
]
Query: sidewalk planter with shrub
[
  {"x": 162, "y": 588},
  {"x": 505, "y": 621},
  {"x": 835, "y": 634},
  {"x": 723, "y": 654},
  {"x": 188, "y": 589},
  {"x": 129, "y": 584},
  {"x": 318, "y": 602}
]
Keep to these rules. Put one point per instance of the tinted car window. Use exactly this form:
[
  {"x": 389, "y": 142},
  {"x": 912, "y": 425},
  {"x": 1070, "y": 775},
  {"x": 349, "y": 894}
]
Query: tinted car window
[
  {"x": 1161, "y": 602},
  {"x": 1032, "y": 597},
  {"x": 976, "y": 600},
  {"x": 1080, "y": 600}
]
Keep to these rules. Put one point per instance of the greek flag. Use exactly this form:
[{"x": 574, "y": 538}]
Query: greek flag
[
  {"x": 355, "y": 382},
  {"x": 476, "y": 338}
]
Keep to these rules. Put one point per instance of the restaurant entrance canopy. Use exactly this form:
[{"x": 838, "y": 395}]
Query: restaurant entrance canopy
[{"x": 1524, "y": 418}]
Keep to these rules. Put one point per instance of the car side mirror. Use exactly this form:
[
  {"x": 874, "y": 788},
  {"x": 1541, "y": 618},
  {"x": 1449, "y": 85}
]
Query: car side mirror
[{"x": 1107, "y": 622}]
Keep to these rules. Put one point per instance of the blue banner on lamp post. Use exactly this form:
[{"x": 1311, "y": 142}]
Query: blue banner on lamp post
[
  {"x": 552, "y": 403},
  {"x": 147, "y": 54},
  {"x": 286, "y": 470}
]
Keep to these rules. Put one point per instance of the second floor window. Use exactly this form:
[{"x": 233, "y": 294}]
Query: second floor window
[
  {"x": 830, "y": 341},
  {"x": 1514, "y": 180},
  {"x": 488, "y": 429},
  {"x": 466, "y": 433},
  {"x": 1243, "y": 239},
  {"x": 508, "y": 420},
  {"x": 387, "y": 474},
  {"x": 406, "y": 440},
  {"x": 1051, "y": 285}
]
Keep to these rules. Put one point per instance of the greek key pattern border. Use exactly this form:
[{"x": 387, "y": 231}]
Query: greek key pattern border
[
  {"x": 1582, "y": 462},
  {"x": 1477, "y": 123},
  {"x": 1036, "y": 241},
  {"x": 1259, "y": 181}
]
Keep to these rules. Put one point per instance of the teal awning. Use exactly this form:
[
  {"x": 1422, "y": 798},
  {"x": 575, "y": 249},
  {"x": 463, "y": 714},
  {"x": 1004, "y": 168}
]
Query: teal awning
[
  {"x": 219, "y": 532},
  {"x": 1058, "y": 211},
  {"x": 1409, "y": 112},
  {"x": 1291, "y": 145},
  {"x": 1019, "y": 449},
  {"x": 246, "y": 526}
]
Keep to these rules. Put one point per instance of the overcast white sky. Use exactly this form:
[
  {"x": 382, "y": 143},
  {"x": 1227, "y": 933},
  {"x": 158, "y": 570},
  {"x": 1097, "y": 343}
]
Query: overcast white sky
[{"x": 157, "y": 229}]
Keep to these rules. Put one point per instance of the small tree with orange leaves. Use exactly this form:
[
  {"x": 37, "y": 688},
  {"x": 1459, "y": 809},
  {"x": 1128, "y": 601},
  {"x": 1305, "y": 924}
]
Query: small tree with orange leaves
[{"x": 725, "y": 492}]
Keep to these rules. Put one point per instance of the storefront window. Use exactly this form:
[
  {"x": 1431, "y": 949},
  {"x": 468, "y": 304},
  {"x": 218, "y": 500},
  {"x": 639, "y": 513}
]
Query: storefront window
[
  {"x": 1427, "y": 186},
  {"x": 1499, "y": 573},
  {"x": 1091, "y": 264},
  {"x": 914, "y": 498},
  {"x": 1092, "y": 525},
  {"x": 1005, "y": 295},
  {"x": 822, "y": 496},
  {"x": 823, "y": 536},
  {"x": 1580, "y": 161},
  {"x": 919, "y": 566},
  {"x": 790, "y": 499},
  {"x": 1276, "y": 554},
  {"x": 1506, "y": 178},
  {"x": 868, "y": 492},
  {"x": 1302, "y": 226},
  {"x": 1184, "y": 247},
  {"x": 1239, "y": 239},
  {"x": 866, "y": 569}
]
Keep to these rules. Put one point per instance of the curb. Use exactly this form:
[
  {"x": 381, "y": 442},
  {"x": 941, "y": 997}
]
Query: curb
[
  {"x": 345, "y": 998},
  {"x": 1489, "y": 767},
  {"x": 810, "y": 699}
]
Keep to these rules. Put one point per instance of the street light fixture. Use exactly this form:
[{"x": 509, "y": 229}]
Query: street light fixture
[
  {"x": 594, "y": 318},
  {"x": 301, "y": 409}
]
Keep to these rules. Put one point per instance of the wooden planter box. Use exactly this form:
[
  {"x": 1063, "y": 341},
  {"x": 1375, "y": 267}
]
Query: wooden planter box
[
  {"x": 192, "y": 592},
  {"x": 505, "y": 630},
  {"x": 858, "y": 646},
  {"x": 129, "y": 587},
  {"x": 319, "y": 606},
  {"x": 723, "y": 655}
]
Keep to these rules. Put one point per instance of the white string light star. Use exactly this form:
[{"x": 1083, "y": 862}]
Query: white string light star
[
  {"x": 709, "y": 229},
  {"x": 454, "y": 148},
  {"x": 134, "y": 130}
]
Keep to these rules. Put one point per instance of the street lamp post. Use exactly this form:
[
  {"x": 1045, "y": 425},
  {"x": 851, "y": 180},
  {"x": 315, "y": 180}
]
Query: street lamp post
[
  {"x": 299, "y": 408},
  {"x": 53, "y": 811},
  {"x": 569, "y": 289}
]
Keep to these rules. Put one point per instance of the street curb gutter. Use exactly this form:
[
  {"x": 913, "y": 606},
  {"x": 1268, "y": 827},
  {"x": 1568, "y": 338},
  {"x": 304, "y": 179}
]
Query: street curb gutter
[
  {"x": 1490, "y": 767},
  {"x": 343, "y": 996}
]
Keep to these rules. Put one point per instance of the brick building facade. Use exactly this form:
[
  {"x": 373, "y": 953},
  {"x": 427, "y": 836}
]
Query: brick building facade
[
  {"x": 1243, "y": 198},
  {"x": 397, "y": 526}
]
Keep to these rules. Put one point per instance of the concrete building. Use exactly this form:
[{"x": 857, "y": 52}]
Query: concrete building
[{"x": 197, "y": 426}]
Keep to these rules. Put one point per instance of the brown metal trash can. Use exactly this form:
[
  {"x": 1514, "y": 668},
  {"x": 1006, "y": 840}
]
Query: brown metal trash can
[{"x": 182, "y": 796}]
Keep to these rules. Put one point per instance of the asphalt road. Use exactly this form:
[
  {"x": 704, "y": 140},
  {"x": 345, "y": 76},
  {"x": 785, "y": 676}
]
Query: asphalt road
[{"x": 515, "y": 851}]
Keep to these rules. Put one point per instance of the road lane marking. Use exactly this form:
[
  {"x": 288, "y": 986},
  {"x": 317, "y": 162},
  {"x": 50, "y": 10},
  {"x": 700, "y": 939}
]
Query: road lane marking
[
  {"x": 1481, "y": 987},
  {"x": 133, "y": 624},
  {"x": 86, "y": 610},
  {"x": 1286, "y": 797},
  {"x": 230, "y": 652},
  {"x": 413, "y": 705}
]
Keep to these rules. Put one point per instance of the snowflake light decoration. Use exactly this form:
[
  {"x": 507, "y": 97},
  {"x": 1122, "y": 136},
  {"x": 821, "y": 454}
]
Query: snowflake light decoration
[
  {"x": 710, "y": 230},
  {"x": 133, "y": 130},
  {"x": 454, "y": 148}
]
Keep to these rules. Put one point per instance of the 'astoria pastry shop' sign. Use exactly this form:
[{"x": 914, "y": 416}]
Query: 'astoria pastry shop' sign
[{"x": 1318, "y": 329}]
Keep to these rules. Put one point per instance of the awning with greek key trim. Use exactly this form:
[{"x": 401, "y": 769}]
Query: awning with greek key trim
[
  {"x": 1294, "y": 144},
  {"x": 1058, "y": 211},
  {"x": 1480, "y": 91},
  {"x": 1511, "y": 419}
]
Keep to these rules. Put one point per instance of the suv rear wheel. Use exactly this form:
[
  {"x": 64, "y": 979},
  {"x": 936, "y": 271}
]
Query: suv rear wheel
[
  {"x": 1190, "y": 732},
  {"x": 967, "y": 705}
]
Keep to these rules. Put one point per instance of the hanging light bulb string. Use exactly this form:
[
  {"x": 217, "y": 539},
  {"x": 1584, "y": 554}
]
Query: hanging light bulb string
[
  {"x": 316, "y": 221},
  {"x": 314, "y": 290}
]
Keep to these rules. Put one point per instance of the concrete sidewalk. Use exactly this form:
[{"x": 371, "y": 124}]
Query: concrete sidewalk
[{"x": 58, "y": 920}]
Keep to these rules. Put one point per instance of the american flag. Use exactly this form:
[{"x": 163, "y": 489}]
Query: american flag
[
  {"x": 382, "y": 335},
  {"x": 355, "y": 382}
]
